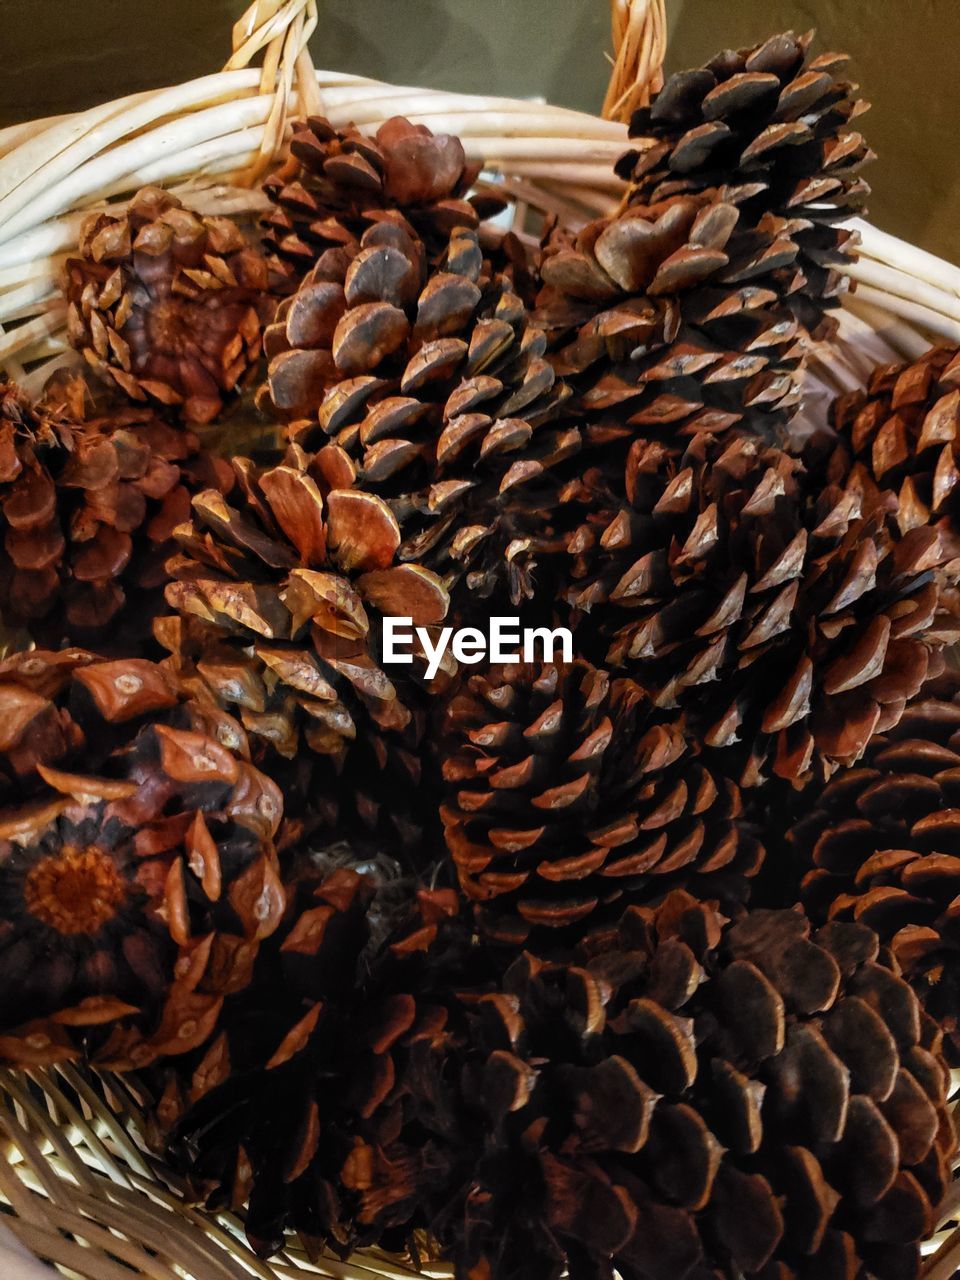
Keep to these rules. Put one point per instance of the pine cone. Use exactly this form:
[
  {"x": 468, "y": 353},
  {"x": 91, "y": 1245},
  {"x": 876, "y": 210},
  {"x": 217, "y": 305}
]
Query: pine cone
[
  {"x": 137, "y": 867},
  {"x": 904, "y": 429},
  {"x": 768, "y": 127},
  {"x": 881, "y": 845},
  {"x": 568, "y": 794},
  {"x": 302, "y": 1065},
  {"x": 685, "y": 1101},
  {"x": 698, "y": 296},
  {"x": 166, "y": 304},
  {"x": 87, "y": 506},
  {"x": 436, "y": 384},
  {"x": 284, "y": 594},
  {"x": 346, "y": 182},
  {"x": 356, "y": 779},
  {"x": 777, "y": 603}
]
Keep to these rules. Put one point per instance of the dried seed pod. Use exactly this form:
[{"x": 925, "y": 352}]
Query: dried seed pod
[
  {"x": 681, "y": 1098},
  {"x": 304, "y": 1061},
  {"x": 774, "y": 599},
  {"x": 282, "y": 595},
  {"x": 346, "y": 183},
  {"x": 690, "y": 308},
  {"x": 137, "y": 865},
  {"x": 881, "y": 845},
  {"x": 438, "y": 387},
  {"x": 569, "y": 795},
  {"x": 905, "y": 429},
  {"x": 88, "y": 501},
  {"x": 167, "y": 304}
]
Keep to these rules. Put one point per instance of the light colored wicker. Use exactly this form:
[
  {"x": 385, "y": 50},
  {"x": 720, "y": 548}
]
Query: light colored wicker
[{"x": 79, "y": 1186}]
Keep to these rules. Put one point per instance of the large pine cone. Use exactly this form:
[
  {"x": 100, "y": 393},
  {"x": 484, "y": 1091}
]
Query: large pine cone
[
  {"x": 882, "y": 845},
  {"x": 87, "y": 506},
  {"x": 684, "y": 1102},
  {"x": 345, "y": 182},
  {"x": 727, "y": 253},
  {"x": 779, "y": 605},
  {"x": 137, "y": 865},
  {"x": 166, "y": 304},
  {"x": 285, "y": 593},
  {"x": 769, "y": 129},
  {"x": 568, "y": 794},
  {"x": 906, "y": 429},
  {"x": 302, "y": 1066},
  {"x": 436, "y": 384}
]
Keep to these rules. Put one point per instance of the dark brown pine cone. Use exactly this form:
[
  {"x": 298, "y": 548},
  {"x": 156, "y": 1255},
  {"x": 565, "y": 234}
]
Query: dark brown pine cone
[
  {"x": 569, "y": 794},
  {"x": 166, "y": 304},
  {"x": 882, "y": 845},
  {"x": 355, "y": 779},
  {"x": 137, "y": 867},
  {"x": 302, "y": 1065},
  {"x": 282, "y": 596},
  {"x": 779, "y": 606},
  {"x": 345, "y": 182},
  {"x": 696, "y": 298},
  {"x": 88, "y": 501},
  {"x": 435, "y": 383},
  {"x": 683, "y": 1101},
  {"x": 769, "y": 127},
  {"x": 906, "y": 429}
]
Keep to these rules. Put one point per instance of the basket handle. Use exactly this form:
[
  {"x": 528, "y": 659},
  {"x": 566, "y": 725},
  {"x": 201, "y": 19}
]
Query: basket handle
[
  {"x": 282, "y": 30},
  {"x": 639, "y": 45}
]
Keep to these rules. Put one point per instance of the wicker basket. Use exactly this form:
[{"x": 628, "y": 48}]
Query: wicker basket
[{"x": 78, "y": 1185}]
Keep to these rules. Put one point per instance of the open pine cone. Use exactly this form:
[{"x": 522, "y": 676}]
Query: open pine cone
[
  {"x": 284, "y": 593},
  {"x": 682, "y": 1101},
  {"x": 436, "y": 384},
  {"x": 769, "y": 128},
  {"x": 346, "y": 182},
  {"x": 302, "y": 1066},
  {"x": 167, "y": 304},
  {"x": 569, "y": 794},
  {"x": 88, "y": 503},
  {"x": 881, "y": 844},
  {"x": 906, "y": 430},
  {"x": 775, "y": 600},
  {"x": 691, "y": 305},
  {"x": 137, "y": 866}
]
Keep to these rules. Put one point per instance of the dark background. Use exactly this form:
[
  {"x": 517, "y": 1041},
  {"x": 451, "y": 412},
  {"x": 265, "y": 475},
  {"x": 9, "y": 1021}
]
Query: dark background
[{"x": 60, "y": 55}]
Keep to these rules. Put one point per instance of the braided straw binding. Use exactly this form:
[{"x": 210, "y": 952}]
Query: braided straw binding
[
  {"x": 640, "y": 45},
  {"x": 78, "y": 1184}
]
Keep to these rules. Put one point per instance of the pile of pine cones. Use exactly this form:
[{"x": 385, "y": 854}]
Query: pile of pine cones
[{"x": 646, "y": 963}]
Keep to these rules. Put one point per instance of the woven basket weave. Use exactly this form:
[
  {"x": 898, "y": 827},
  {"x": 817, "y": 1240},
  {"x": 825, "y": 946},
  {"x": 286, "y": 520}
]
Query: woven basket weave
[{"x": 79, "y": 1187}]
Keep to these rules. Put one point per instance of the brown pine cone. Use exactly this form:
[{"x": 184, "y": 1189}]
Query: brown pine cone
[
  {"x": 882, "y": 845},
  {"x": 137, "y": 866},
  {"x": 346, "y": 182},
  {"x": 166, "y": 304},
  {"x": 691, "y": 305},
  {"x": 683, "y": 1101},
  {"x": 435, "y": 383},
  {"x": 355, "y": 778},
  {"x": 905, "y": 428},
  {"x": 88, "y": 502},
  {"x": 302, "y": 1065},
  {"x": 284, "y": 595},
  {"x": 778, "y": 604},
  {"x": 769, "y": 128},
  {"x": 569, "y": 795}
]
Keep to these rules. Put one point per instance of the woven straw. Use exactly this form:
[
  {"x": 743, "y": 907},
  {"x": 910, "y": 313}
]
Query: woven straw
[{"x": 79, "y": 1185}]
